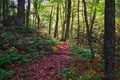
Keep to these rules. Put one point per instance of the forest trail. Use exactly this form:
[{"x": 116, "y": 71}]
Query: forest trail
[{"x": 45, "y": 68}]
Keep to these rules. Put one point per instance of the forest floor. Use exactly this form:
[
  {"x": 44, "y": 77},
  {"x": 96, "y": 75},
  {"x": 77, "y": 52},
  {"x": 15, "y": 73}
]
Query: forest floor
[{"x": 49, "y": 67}]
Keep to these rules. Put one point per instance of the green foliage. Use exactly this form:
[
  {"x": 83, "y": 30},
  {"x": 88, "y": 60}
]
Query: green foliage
[
  {"x": 7, "y": 36},
  {"x": 82, "y": 53},
  {"x": 14, "y": 56},
  {"x": 68, "y": 73},
  {"x": 101, "y": 66},
  {"x": 89, "y": 75},
  {"x": 117, "y": 73},
  {"x": 25, "y": 58},
  {"x": 9, "y": 57},
  {"x": 41, "y": 46},
  {"x": 21, "y": 29},
  {"x": 5, "y": 74}
]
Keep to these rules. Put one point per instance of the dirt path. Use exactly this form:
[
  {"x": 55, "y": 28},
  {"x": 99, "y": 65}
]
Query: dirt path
[{"x": 45, "y": 68}]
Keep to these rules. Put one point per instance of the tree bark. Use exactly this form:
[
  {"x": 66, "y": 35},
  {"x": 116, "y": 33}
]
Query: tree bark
[
  {"x": 78, "y": 32},
  {"x": 36, "y": 12},
  {"x": 72, "y": 22},
  {"x": 87, "y": 30},
  {"x": 4, "y": 15},
  {"x": 57, "y": 19},
  {"x": 68, "y": 19},
  {"x": 50, "y": 22},
  {"x": 64, "y": 21},
  {"x": 21, "y": 12},
  {"x": 109, "y": 39},
  {"x": 27, "y": 16}
]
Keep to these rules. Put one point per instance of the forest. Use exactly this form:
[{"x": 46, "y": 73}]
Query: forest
[{"x": 59, "y": 40}]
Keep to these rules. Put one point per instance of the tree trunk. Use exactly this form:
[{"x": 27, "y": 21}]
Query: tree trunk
[
  {"x": 78, "y": 32},
  {"x": 72, "y": 19},
  {"x": 68, "y": 19},
  {"x": 64, "y": 21},
  {"x": 50, "y": 22},
  {"x": 4, "y": 12},
  {"x": 72, "y": 24},
  {"x": 21, "y": 12},
  {"x": 27, "y": 16},
  {"x": 36, "y": 12},
  {"x": 0, "y": 9},
  {"x": 109, "y": 39},
  {"x": 87, "y": 30},
  {"x": 83, "y": 35},
  {"x": 0, "y": 15},
  {"x": 57, "y": 19}
]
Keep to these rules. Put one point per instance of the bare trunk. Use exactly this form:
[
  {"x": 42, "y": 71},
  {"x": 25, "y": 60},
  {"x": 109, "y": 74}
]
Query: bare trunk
[
  {"x": 27, "y": 17},
  {"x": 68, "y": 19},
  {"x": 109, "y": 39},
  {"x": 72, "y": 24},
  {"x": 78, "y": 32},
  {"x": 57, "y": 19},
  {"x": 36, "y": 12},
  {"x": 87, "y": 30},
  {"x": 50, "y": 22},
  {"x": 21, "y": 12},
  {"x": 64, "y": 21}
]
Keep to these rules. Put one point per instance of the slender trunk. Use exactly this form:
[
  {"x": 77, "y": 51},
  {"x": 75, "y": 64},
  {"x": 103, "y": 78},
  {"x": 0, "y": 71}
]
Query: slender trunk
[
  {"x": 63, "y": 30},
  {"x": 50, "y": 22},
  {"x": 109, "y": 39},
  {"x": 68, "y": 19},
  {"x": 21, "y": 12},
  {"x": 88, "y": 32},
  {"x": 72, "y": 21},
  {"x": 64, "y": 21},
  {"x": 33, "y": 20},
  {"x": 36, "y": 12},
  {"x": 83, "y": 24},
  {"x": 27, "y": 16},
  {"x": 38, "y": 20},
  {"x": 78, "y": 32},
  {"x": 0, "y": 10},
  {"x": 57, "y": 19},
  {"x": 0, "y": 15},
  {"x": 3, "y": 13}
]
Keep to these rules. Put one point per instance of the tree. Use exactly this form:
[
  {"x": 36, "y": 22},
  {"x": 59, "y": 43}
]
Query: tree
[
  {"x": 0, "y": 10},
  {"x": 21, "y": 12},
  {"x": 88, "y": 30},
  {"x": 109, "y": 39},
  {"x": 36, "y": 5},
  {"x": 78, "y": 32},
  {"x": 65, "y": 19},
  {"x": 90, "y": 25},
  {"x": 27, "y": 16},
  {"x": 57, "y": 19},
  {"x": 68, "y": 19},
  {"x": 5, "y": 12},
  {"x": 50, "y": 22},
  {"x": 73, "y": 12}
]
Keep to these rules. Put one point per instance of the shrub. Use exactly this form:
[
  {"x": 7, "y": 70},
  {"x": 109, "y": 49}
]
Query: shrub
[
  {"x": 7, "y": 36},
  {"x": 82, "y": 53},
  {"x": 68, "y": 73},
  {"x": 4, "y": 74},
  {"x": 90, "y": 75}
]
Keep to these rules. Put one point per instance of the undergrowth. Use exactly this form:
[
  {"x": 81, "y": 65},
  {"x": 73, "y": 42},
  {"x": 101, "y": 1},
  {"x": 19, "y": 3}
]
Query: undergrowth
[
  {"x": 15, "y": 48},
  {"x": 82, "y": 53}
]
